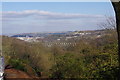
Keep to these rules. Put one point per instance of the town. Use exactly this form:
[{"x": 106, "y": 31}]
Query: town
[{"x": 60, "y": 38}]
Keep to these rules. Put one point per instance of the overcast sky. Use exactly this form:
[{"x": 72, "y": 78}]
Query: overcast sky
[{"x": 27, "y": 17}]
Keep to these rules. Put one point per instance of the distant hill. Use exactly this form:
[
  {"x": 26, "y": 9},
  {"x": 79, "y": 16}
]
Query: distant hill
[
  {"x": 45, "y": 34},
  {"x": 39, "y": 34}
]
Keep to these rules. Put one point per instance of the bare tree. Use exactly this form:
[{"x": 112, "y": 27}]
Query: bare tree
[{"x": 109, "y": 23}]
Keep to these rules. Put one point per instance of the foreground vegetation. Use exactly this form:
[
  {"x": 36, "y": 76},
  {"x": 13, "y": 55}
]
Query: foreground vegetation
[{"x": 89, "y": 58}]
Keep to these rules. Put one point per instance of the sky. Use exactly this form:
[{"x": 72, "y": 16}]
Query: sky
[{"x": 31, "y": 17}]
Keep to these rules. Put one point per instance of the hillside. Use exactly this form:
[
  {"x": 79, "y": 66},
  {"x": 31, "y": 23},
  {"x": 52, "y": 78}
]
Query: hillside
[{"x": 90, "y": 57}]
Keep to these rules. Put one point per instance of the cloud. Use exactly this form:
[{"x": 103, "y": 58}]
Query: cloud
[
  {"x": 37, "y": 14},
  {"x": 39, "y": 21}
]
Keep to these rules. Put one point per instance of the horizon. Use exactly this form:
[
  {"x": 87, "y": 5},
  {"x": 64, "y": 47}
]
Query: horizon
[{"x": 11, "y": 34}]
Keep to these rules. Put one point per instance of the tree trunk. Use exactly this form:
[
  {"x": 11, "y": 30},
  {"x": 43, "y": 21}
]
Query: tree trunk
[{"x": 116, "y": 6}]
